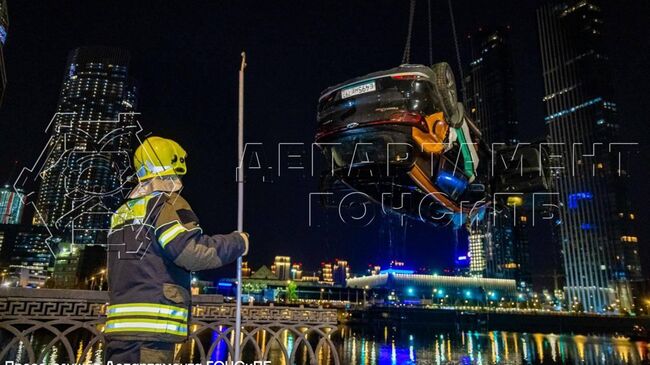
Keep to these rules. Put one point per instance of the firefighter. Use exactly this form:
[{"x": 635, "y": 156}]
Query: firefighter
[{"x": 155, "y": 242}]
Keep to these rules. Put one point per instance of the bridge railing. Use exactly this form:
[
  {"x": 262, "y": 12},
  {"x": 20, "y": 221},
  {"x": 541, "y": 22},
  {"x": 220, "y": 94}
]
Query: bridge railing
[{"x": 51, "y": 325}]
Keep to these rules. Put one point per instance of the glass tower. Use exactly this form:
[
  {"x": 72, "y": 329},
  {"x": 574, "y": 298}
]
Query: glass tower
[
  {"x": 88, "y": 154},
  {"x": 490, "y": 86},
  {"x": 4, "y": 26},
  {"x": 498, "y": 245},
  {"x": 25, "y": 257},
  {"x": 595, "y": 215},
  {"x": 11, "y": 205}
]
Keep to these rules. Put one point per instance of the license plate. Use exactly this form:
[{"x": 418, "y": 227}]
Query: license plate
[{"x": 358, "y": 90}]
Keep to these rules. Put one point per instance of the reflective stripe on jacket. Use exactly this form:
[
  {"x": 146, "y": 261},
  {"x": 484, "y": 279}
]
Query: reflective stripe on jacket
[{"x": 155, "y": 243}]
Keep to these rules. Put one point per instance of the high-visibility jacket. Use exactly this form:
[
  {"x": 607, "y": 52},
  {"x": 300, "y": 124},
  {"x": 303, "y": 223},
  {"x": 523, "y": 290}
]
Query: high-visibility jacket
[{"x": 155, "y": 242}]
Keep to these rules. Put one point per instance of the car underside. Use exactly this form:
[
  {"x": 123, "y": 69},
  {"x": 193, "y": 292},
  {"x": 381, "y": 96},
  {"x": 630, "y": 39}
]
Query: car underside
[{"x": 401, "y": 137}]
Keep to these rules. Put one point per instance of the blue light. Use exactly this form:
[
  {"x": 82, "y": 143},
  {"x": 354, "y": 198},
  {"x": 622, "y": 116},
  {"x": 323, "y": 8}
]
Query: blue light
[
  {"x": 450, "y": 184},
  {"x": 459, "y": 220},
  {"x": 225, "y": 284},
  {"x": 575, "y": 197},
  {"x": 572, "y": 109},
  {"x": 3, "y": 34},
  {"x": 410, "y": 291},
  {"x": 397, "y": 271},
  {"x": 462, "y": 258},
  {"x": 586, "y": 226},
  {"x": 468, "y": 294}
]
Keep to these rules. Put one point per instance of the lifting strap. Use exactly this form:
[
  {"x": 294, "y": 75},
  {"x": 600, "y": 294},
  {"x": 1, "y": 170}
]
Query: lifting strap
[
  {"x": 430, "y": 34},
  {"x": 406, "y": 57},
  {"x": 460, "y": 65}
]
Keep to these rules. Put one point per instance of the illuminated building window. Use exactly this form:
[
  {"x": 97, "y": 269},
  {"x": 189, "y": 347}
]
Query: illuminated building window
[
  {"x": 572, "y": 109},
  {"x": 574, "y": 198},
  {"x": 515, "y": 201}
]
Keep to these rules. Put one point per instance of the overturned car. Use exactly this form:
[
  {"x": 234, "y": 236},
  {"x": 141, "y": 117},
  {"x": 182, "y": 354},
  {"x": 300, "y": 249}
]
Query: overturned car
[{"x": 401, "y": 137}]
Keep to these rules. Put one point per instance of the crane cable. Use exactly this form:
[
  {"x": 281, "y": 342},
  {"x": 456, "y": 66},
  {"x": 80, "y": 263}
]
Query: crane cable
[
  {"x": 460, "y": 65},
  {"x": 406, "y": 57},
  {"x": 430, "y": 34}
]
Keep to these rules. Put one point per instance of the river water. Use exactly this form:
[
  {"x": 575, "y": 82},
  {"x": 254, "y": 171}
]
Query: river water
[
  {"x": 388, "y": 346},
  {"x": 392, "y": 347}
]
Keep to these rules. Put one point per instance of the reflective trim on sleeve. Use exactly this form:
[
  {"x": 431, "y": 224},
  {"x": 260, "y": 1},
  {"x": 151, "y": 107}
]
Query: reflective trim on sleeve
[{"x": 170, "y": 233}]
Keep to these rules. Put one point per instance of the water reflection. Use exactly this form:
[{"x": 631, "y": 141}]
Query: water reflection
[
  {"x": 388, "y": 346},
  {"x": 496, "y": 347}
]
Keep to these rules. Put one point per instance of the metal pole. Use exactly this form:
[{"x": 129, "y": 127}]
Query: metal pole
[{"x": 240, "y": 203}]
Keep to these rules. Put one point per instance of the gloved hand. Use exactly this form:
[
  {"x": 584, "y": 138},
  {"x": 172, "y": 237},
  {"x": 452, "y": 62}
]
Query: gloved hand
[{"x": 245, "y": 236}]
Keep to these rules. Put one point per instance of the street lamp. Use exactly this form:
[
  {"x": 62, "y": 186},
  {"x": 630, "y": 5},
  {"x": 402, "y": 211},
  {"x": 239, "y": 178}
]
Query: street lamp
[
  {"x": 364, "y": 295},
  {"x": 101, "y": 280}
]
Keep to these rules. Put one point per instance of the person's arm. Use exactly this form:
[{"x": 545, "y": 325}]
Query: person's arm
[{"x": 178, "y": 233}]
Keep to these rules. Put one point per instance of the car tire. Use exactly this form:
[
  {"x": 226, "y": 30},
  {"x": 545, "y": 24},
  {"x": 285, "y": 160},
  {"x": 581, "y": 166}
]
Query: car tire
[{"x": 445, "y": 84}]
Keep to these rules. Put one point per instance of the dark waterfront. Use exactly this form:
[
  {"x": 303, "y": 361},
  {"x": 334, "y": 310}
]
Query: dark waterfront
[
  {"x": 361, "y": 346},
  {"x": 494, "y": 347}
]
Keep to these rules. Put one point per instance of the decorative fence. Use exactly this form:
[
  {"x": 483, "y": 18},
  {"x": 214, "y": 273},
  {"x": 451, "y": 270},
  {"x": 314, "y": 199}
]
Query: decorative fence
[{"x": 57, "y": 326}]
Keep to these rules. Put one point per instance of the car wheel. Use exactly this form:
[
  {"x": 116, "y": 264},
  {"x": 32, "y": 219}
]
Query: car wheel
[
  {"x": 456, "y": 119},
  {"x": 446, "y": 88}
]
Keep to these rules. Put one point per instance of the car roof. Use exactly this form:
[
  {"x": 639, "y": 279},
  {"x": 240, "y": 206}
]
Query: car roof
[{"x": 405, "y": 68}]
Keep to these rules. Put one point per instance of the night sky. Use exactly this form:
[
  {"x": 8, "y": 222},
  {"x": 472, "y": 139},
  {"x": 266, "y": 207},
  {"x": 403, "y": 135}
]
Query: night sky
[{"x": 185, "y": 57}]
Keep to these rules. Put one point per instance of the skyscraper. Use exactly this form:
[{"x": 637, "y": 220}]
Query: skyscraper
[
  {"x": 11, "y": 205},
  {"x": 478, "y": 241},
  {"x": 89, "y": 150},
  {"x": 498, "y": 245},
  {"x": 24, "y": 254},
  {"x": 508, "y": 255},
  {"x": 4, "y": 27},
  {"x": 490, "y": 86},
  {"x": 596, "y": 218}
]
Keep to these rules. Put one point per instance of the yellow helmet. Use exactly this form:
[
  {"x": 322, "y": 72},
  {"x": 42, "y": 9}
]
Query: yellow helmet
[{"x": 158, "y": 156}]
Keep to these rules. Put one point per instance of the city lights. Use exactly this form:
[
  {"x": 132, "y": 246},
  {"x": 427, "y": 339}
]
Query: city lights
[{"x": 479, "y": 203}]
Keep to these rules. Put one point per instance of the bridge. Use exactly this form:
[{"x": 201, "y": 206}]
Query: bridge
[{"x": 38, "y": 325}]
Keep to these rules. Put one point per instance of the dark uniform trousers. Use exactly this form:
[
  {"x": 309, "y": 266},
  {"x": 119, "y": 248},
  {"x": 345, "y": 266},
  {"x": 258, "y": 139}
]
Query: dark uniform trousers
[{"x": 135, "y": 352}]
